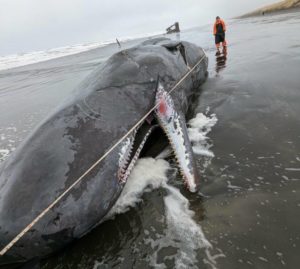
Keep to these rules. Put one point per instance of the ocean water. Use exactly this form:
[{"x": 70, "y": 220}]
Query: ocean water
[
  {"x": 245, "y": 132},
  {"x": 23, "y": 59}
]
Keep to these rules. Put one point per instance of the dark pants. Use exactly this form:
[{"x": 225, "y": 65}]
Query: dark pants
[{"x": 220, "y": 38}]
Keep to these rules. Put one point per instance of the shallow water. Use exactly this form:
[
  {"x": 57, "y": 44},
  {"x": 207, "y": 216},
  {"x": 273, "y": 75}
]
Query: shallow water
[{"x": 248, "y": 210}]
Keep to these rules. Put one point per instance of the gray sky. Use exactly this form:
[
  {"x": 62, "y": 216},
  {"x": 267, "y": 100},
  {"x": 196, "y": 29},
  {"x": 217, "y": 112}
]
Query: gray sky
[{"x": 30, "y": 25}]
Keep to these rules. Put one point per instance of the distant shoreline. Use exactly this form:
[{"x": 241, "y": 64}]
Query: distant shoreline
[{"x": 277, "y": 8}]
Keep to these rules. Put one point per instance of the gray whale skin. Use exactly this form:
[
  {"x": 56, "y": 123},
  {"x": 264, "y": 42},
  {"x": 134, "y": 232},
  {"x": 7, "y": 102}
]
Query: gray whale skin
[{"x": 111, "y": 100}]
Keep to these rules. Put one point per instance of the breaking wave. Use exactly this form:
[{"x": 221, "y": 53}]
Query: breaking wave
[{"x": 22, "y": 59}]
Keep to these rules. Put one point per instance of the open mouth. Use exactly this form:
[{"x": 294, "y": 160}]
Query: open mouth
[
  {"x": 148, "y": 138},
  {"x": 142, "y": 143}
]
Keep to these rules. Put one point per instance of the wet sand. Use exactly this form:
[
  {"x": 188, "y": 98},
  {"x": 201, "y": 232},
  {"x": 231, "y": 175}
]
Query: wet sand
[
  {"x": 249, "y": 205},
  {"x": 253, "y": 183}
]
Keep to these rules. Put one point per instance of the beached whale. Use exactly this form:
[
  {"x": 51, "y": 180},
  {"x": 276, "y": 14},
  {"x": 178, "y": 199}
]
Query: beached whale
[{"x": 64, "y": 146}]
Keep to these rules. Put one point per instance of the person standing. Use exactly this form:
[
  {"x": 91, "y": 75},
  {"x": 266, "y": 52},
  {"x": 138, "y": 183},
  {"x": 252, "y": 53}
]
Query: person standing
[{"x": 219, "y": 33}]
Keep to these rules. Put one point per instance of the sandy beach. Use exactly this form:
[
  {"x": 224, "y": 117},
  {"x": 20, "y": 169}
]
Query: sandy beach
[
  {"x": 277, "y": 8},
  {"x": 247, "y": 212}
]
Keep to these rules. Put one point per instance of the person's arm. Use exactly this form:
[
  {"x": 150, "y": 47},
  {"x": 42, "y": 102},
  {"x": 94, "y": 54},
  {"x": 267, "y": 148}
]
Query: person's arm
[{"x": 215, "y": 29}]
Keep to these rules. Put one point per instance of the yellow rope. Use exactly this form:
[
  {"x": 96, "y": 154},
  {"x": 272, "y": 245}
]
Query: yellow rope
[{"x": 44, "y": 212}]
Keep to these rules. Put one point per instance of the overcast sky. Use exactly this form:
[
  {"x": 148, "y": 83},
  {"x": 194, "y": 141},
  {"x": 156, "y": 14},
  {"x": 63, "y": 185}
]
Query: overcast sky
[{"x": 30, "y": 25}]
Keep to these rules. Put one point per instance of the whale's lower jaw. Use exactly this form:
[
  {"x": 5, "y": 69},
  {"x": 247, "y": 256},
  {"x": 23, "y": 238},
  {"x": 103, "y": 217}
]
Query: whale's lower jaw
[{"x": 172, "y": 122}]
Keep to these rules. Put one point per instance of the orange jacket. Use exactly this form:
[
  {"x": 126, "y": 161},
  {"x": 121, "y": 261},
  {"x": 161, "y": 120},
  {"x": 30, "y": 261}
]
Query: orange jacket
[{"x": 215, "y": 26}]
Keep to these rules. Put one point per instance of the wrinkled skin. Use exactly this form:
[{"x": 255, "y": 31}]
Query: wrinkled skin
[{"x": 103, "y": 108}]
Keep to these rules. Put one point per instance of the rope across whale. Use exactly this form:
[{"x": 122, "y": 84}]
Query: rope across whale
[{"x": 56, "y": 201}]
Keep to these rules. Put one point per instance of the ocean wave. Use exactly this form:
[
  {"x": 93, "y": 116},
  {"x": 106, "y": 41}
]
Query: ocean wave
[
  {"x": 22, "y": 59},
  {"x": 17, "y": 60}
]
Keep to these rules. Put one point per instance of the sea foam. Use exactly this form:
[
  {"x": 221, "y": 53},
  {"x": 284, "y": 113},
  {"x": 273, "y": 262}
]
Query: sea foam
[
  {"x": 22, "y": 59},
  {"x": 182, "y": 231}
]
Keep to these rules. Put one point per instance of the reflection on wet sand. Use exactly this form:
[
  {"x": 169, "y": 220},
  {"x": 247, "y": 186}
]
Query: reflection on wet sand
[
  {"x": 221, "y": 58},
  {"x": 250, "y": 204}
]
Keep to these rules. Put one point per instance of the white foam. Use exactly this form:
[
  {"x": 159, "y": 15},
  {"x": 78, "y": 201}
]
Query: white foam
[
  {"x": 203, "y": 122},
  {"x": 230, "y": 186},
  {"x": 8, "y": 137},
  {"x": 22, "y": 59},
  {"x": 199, "y": 150},
  {"x": 182, "y": 232},
  {"x": 198, "y": 128},
  {"x": 17, "y": 60},
  {"x": 292, "y": 169},
  {"x": 3, "y": 154},
  {"x": 148, "y": 174}
]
